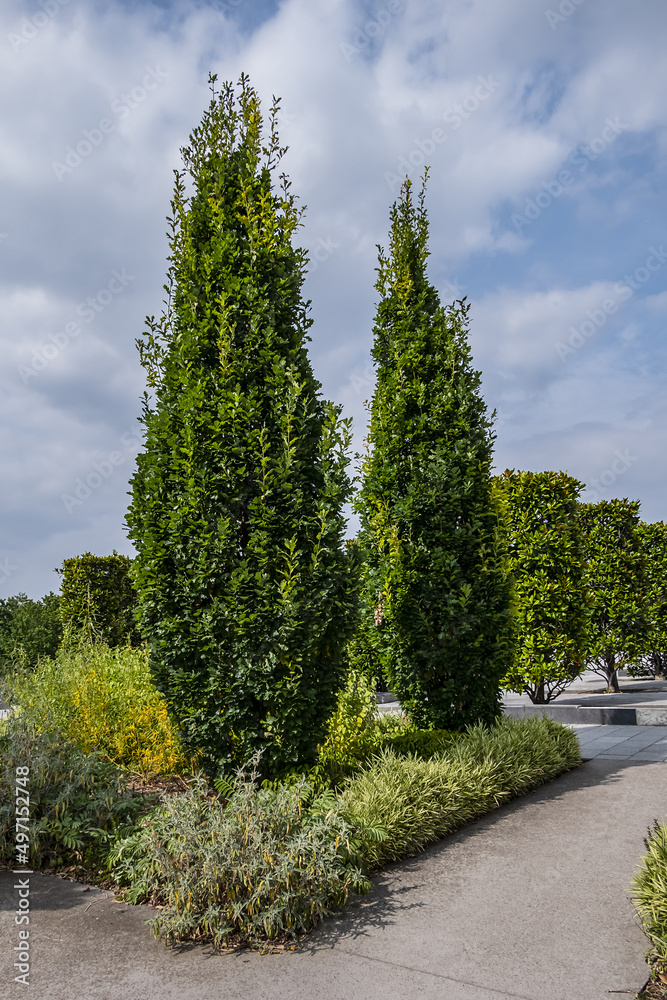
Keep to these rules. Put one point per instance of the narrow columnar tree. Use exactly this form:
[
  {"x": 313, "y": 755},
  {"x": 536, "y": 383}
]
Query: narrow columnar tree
[
  {"x": 247, "y": 595},
  {"x": 432, "y": 533},
  {"x": 548, "y": 564},
  {"x": 615, "y": 579}
]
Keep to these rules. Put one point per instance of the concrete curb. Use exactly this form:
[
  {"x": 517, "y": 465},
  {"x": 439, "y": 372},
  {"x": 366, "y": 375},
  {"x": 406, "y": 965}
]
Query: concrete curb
[
  {"x": 590, "y": 715},
  {"x": 570, "y": 715}
]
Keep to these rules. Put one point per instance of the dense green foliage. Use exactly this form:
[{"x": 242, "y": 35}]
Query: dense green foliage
[
  {"x": 615, "y": 580},
  {"x": 650, "y": 892},
  {"x": 28, "y": 629},
  {"x": 78, "y": 802},
  {"x": 258, "y": 866},
  {"x": 653, "y": 541},
  {"x": 105, "y": 701},
  {"x": 436, "y": 585},
  {"x": 547, "y": 560},
  {"x": 247, "y": 593},
  {"x": 350, "y": 730},
  {"x": 98, "y": 599},
  {"x": 356, "y": 733},
  {"x": 415, "y": 802},
  {"x": 406, "y": 739}
]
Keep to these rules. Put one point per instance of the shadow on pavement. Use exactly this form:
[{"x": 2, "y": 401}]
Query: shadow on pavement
[{"x": 48, "y": 892}]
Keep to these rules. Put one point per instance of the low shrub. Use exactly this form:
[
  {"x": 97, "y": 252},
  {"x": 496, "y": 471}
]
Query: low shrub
[
  {"x": 77, "y": 803},
  {"x": 650, "y": 892},
  {"x": 411, "y": 741},
  {"x": 356, "y": 733},
  {"x": 418, "y": 801},
  {"x": 105, "y": 700},
  {"x": 258, "y": 866},
  {"x": 351, "y": 729}
]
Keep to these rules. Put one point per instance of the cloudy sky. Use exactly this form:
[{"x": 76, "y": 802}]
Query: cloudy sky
[{"x": 544, "y": 128}]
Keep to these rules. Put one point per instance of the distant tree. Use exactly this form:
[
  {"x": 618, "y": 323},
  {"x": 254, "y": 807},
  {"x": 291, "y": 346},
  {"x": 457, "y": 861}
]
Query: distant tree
[
  {"x": 247, "y": 592},
  {"x": 547, "y": 559},
  {"x": 618, "y": 625},
  {"x": 28, "y": 629},
  {"x": 99, "y": 599},
  {"x": 653, "y": 541},
  {"x": 432, "y": 537}
]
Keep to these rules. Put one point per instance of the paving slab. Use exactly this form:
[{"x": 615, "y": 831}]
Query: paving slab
[
  {"x": 648, "y": 743},
  {"x": 530, "y": 902}
]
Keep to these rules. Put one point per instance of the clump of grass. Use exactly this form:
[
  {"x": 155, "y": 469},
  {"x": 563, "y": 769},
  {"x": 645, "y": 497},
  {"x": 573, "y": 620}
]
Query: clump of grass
[
  {"x": 105, "y": 700},
  {"x": 650, "y": 893},
  {"x": 416, "y": 801},
  {"x": 260, "y": 866}
]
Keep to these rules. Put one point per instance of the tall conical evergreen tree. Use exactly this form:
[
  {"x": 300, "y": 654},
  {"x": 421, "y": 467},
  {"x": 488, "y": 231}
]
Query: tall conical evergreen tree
[
  {"x": 247, "y": 595},
  {"x": 437, "y": 592}
]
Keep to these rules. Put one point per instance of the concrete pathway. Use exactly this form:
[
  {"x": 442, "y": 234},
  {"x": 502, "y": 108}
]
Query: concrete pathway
[{"x": 529, "y": 903}]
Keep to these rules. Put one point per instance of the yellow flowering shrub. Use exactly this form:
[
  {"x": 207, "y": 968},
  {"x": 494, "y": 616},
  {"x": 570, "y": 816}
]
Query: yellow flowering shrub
[{"x": 105, "y": 700}]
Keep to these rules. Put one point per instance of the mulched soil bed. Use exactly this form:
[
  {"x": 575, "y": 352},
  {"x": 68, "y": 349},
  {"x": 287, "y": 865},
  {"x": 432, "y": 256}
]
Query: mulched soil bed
[
  {"x": 158, "y": 784},
  {"x": 656, "y": 987}
]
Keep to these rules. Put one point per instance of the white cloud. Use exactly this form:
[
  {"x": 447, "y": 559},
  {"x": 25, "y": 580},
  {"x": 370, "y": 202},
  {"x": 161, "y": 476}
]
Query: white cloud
[{"x": 521, "y": 331}]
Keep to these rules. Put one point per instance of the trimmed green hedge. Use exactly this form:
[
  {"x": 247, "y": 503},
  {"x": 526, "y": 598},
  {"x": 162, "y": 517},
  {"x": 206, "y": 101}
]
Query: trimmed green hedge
[{"x": 98, "y": 597}]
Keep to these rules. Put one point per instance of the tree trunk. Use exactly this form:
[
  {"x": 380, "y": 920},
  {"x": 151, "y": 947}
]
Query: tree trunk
[
  {"x": 613, "y": 686},
  {"x": 612, "y": 675},
  {"x": 537, "y": 694},
  {"x": 659, "y": 664}
]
